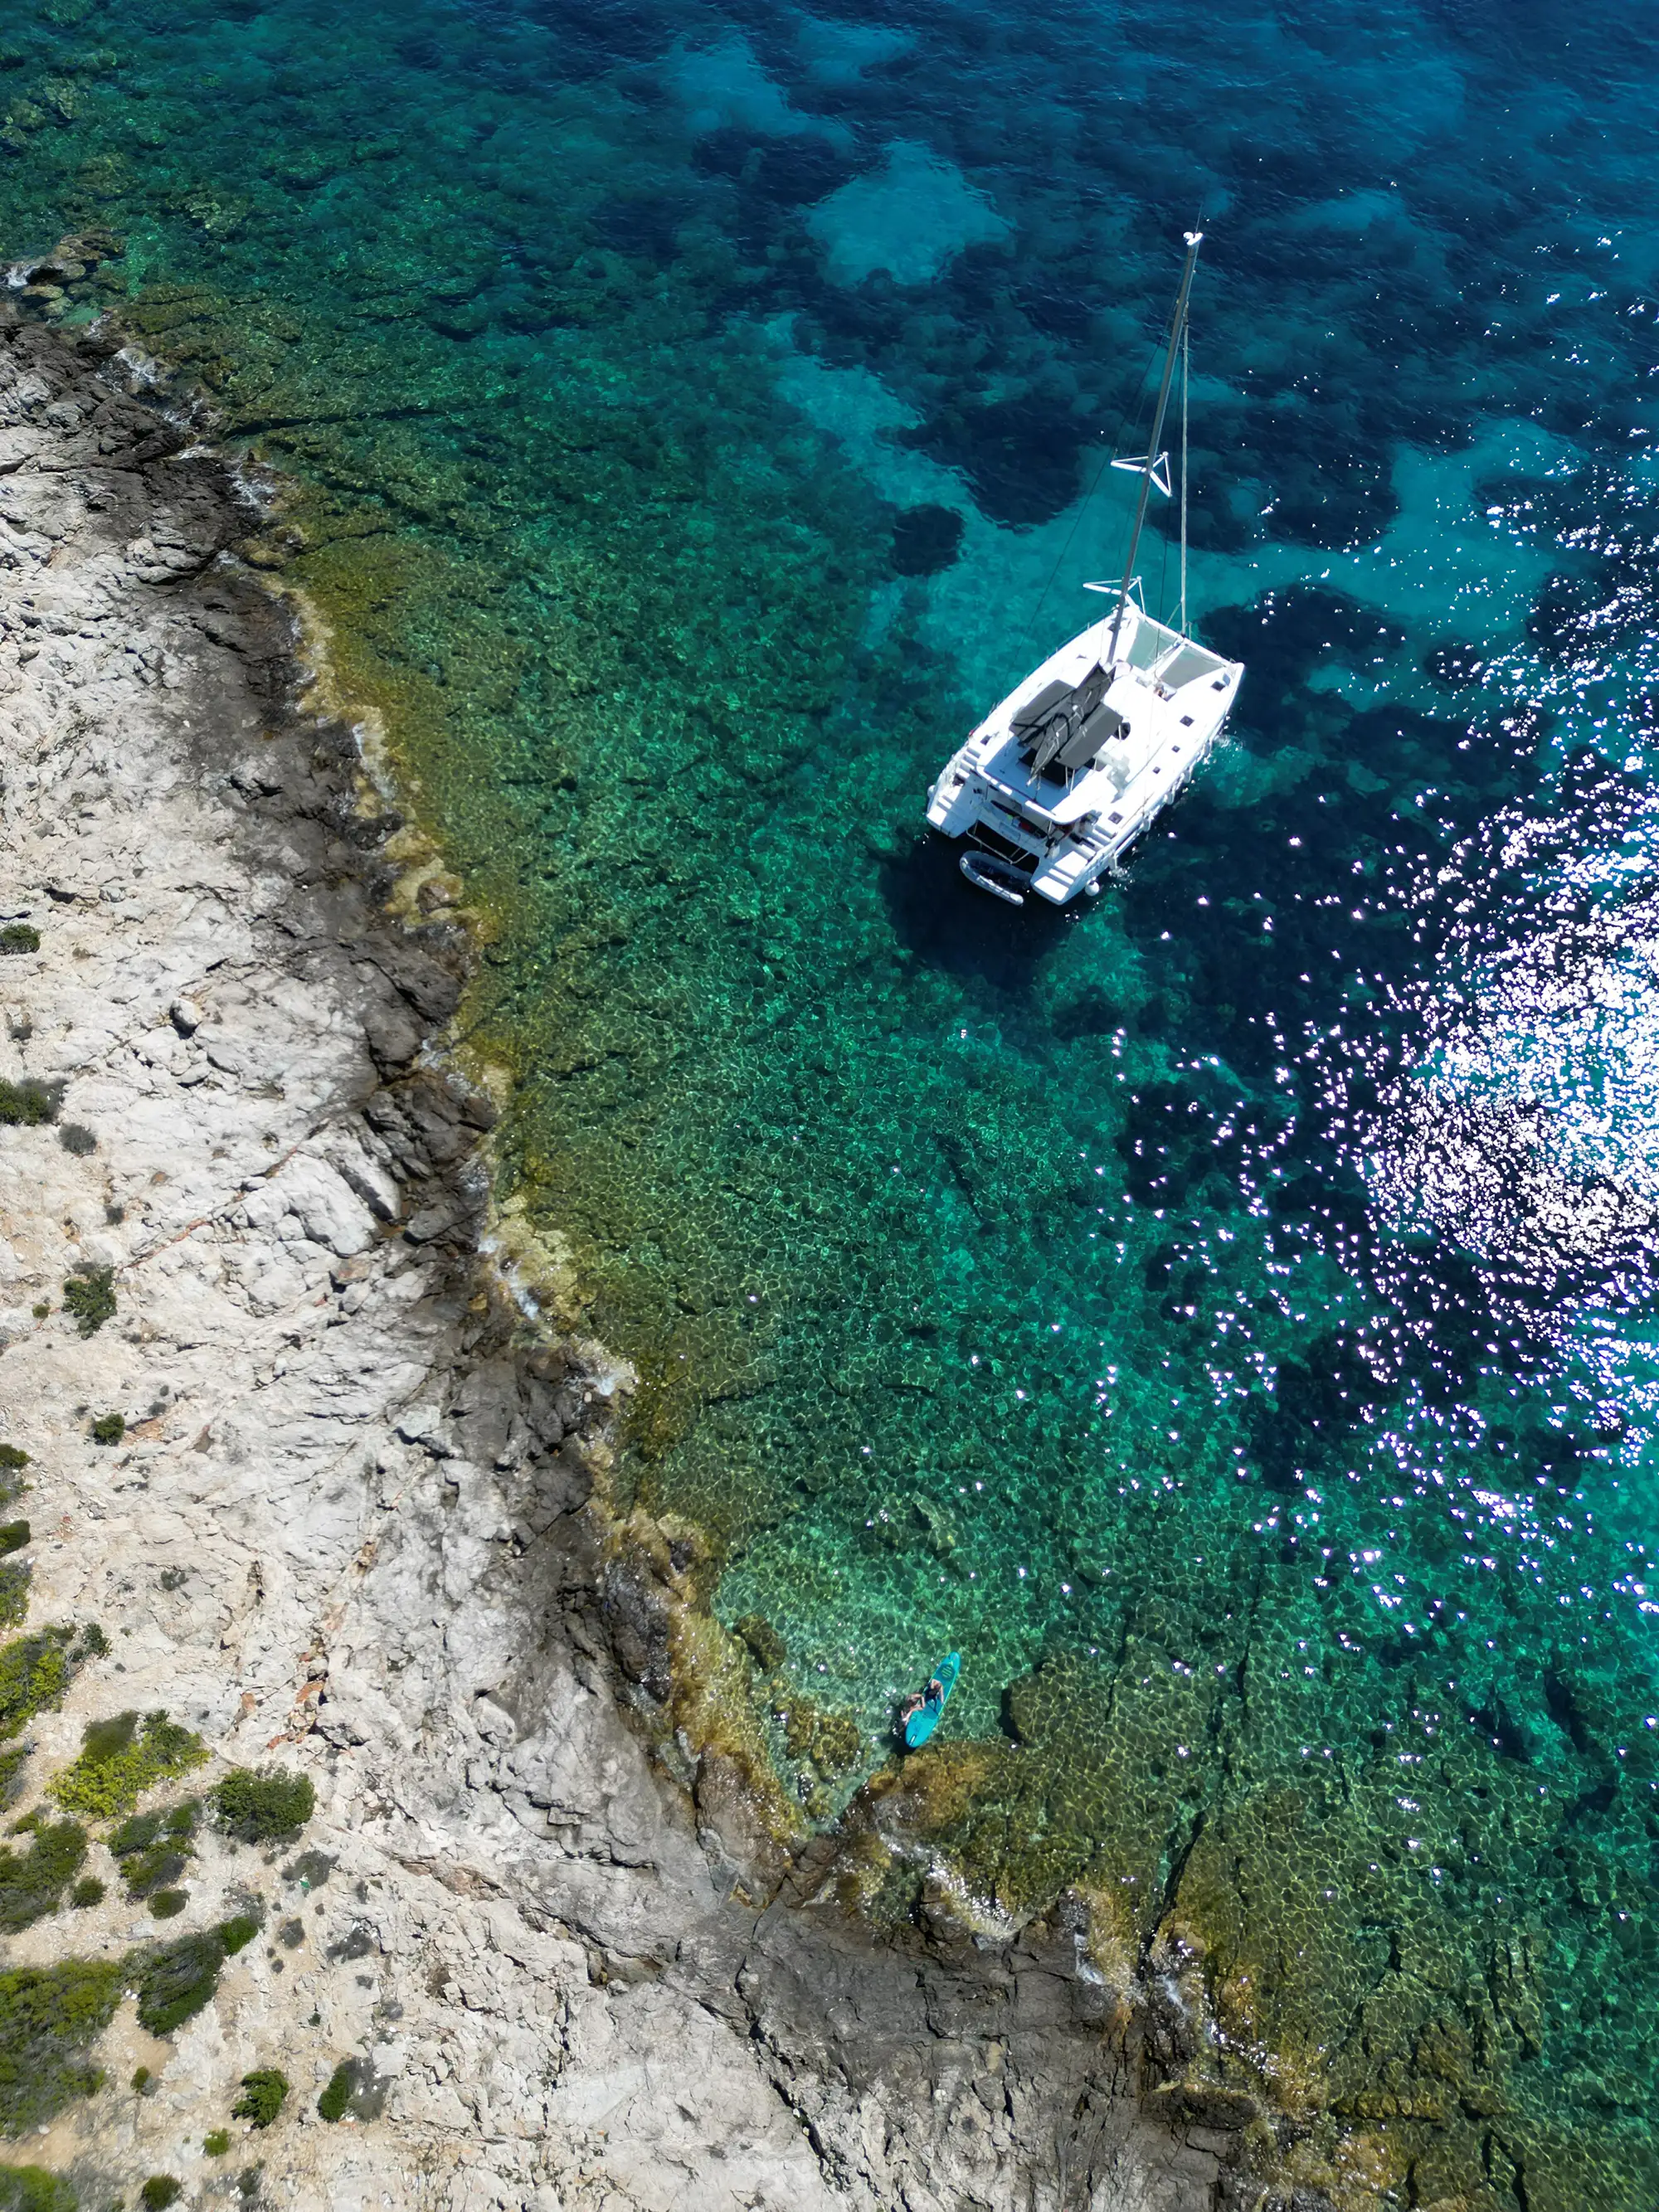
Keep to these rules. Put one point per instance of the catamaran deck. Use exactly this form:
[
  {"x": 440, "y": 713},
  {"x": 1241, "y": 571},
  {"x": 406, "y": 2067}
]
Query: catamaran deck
[{"x": 1066, "y": 771}]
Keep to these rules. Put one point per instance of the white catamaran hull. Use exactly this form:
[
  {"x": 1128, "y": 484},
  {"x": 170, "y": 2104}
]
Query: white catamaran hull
[
  {"x": 1062, "y": 776},
  {"x": 1060, "y": 779}
]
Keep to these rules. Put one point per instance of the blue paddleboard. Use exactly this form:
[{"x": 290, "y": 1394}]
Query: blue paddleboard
[{"x": 920, "y": 1726}]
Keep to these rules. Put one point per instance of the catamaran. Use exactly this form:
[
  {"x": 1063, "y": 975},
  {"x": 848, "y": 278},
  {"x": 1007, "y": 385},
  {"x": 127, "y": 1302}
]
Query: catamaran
[{"x": 1060, "y": 778}]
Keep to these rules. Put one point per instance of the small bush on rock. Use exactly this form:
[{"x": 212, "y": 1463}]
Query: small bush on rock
[
  {"x": 341, "y": 2082},
  {"x": 119, "y": 1761},
  {"x": 89, "y": 1295},
  {"x": 109, "y": 1428},
  {"x": 267, "y": 1807},
  {"x": 35, "y": 1672},
  {"x": 31, "y": 2189},
  {"x": 27, "y": 1105},
  {"x": 177, "y": 1980},
  {"x": 263, "y": 2094},
  {"x": 153, "y": 1848},
  {"x": 14, "y": 1579},
  {"x": 14, "y": 1536},
  {"x": 12, "y": 1763},
  {"x": 75, "y": 1137},
  {"x": 32, "y": 1882},
  {"x": 88, "y": 1891},
  {"x": 19, "y": 937},
  {"x": 135, "y": 1834},
  {"x": 159, "y": 2191},
  {"x": 169, "y": 1904},
  {"x": 48, "y": 2016}
]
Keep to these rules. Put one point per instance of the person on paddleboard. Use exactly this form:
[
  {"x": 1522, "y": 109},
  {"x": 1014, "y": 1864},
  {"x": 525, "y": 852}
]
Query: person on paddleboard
[{"x": 919, "y": 1700}]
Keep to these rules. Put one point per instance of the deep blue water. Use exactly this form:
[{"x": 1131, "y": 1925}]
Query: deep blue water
[{"x": 1228, "y": 1315}]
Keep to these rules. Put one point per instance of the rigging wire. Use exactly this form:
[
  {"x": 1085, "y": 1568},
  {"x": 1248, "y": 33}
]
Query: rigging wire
[
  {"x": 1163, "y": 583},
  {"x": 1125, "y": 419},
  {"x": 1186, "y": 334}
]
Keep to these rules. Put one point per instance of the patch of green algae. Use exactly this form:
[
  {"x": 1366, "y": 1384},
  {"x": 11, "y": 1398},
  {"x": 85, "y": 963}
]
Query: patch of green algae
[{"x": 612, "y": 655}]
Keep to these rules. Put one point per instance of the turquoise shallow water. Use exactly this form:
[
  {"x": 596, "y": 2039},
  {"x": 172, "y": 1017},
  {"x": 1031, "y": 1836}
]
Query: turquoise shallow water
[{"x": 1227, "y": 1316}]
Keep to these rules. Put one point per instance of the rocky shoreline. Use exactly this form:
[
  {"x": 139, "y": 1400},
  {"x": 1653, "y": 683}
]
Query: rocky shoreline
[{"x": 354, "y": 1527}]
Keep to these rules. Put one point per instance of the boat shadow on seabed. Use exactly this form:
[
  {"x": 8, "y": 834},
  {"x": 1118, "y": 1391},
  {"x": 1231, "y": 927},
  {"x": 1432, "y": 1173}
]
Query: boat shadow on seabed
[{"x": 938, "y": 916}]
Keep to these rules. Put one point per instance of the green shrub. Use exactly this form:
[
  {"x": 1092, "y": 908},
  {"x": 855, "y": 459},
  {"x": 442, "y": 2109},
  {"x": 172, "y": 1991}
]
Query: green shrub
[
  {"x": 119, "y": 1761},
  {"x": 27, "y": 1105},
  {"x": 12, "y": 1764},
  {"x": 48, "y": 2016},
  {"x": 169, "y": 1904},
  {"x": 158, "y": 1867},
  {"x": 15, "y": 1576},
  {"x": 12, "y": 1460},
  {"x": 153, "y": 1849},
  {"x": 19, "y": 937},
  {"x": 35, "y": 1672},
  {"x": 87, "y": 1891},
  {"x": 141, "y": 2079},
  {"x": 75, "y": 1137},
  {"x": 262, "y": 2098},
  {"x": 341, "y": 2082},
  {"x": 216, "y": 2143},
  {"x": 31, "y": 2189},
  {"x": 14, "y": 1536},
  {"x": 94, "y": 1644},
  {"x": 154, "y": 1836},
  {"x": 41, "y": 1309},
  {"x": 267, "y": 1807},
  {"x": 159, "y": 2191},
  {"x": 137, "y": 1832},
  {"x": 89, "y": 1295},
  {"x": 32, "y": 1882},
  {"x": 140, "y": 1829},
  {"x": 109, "y": 1428},
  {"x": 177, "y": 1980}
]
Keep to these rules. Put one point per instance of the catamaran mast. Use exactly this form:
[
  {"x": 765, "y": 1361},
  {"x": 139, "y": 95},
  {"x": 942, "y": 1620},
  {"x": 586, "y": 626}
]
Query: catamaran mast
[{"x": 1194, "y": 239}]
